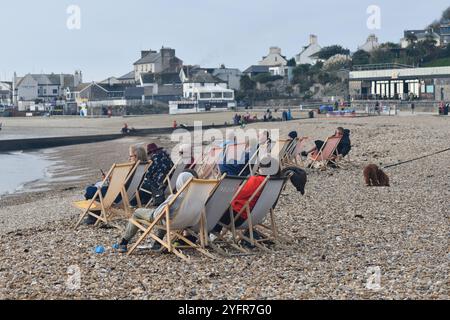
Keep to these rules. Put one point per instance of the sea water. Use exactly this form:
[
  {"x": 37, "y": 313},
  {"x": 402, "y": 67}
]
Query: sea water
[{"x": 18, "y": 169}]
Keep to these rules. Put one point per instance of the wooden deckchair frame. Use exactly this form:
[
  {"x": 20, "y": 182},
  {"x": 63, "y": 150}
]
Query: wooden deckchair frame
[
  {"x": 323, "y": 160},
  {"x": 239, "y": 234},
  {"x": 286, "y": 154},
  {"x": 210, "y": 163},
  {"x": 253, "y": 163},
  {"x": 237, "y": 147},
  {"x": 195, "y": 230},
  {"x": 172, "y": 235},
  {"x": 292, "y": 156},
  {"x": 108, "y": 211},
  {"x": 139, "y": 188}
]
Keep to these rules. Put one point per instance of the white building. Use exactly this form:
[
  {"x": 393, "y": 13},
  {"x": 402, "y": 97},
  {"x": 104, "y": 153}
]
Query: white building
[
  {"x": 204, "y": 87},
  {"x": 371, "y": 44},
  {"x": 202, "y": 92},
  {"x": 419, "y": 35},
  {"x": 156, "y": 62},
  {"x": 274, "y": 58},
  {"x": 231, "y": 76},
  {"x": 5, "y": 93},
  {"x": 283, "y": 71},
  {"x": 46, "y": 87},
  {"x": 306, "y": 56}
]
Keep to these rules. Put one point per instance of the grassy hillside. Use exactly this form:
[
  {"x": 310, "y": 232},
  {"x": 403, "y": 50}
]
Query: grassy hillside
[{"x": 444, "y": 62}]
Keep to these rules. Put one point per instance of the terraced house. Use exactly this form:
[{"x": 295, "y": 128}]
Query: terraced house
[
  {"x": 45, "y": 87},
  {"x": 157, "y": 62}
]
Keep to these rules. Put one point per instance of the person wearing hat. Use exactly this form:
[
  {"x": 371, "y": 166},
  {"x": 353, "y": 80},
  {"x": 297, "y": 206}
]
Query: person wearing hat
[
  {"x": 156, "y": 174},
  {"x": 269, "y": 166}
]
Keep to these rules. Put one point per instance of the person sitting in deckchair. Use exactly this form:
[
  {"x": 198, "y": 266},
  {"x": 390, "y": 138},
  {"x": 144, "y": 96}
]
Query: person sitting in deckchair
[
  {"x": 343, "y": 147},
  {"x": 268, "y": 167},
  {"x": 156, "y": 174},
  {"x": 186, "y": 153},
  {"x": 136, "y": 153},
  {"x": 151, "y": 214},
  {"x": 234, "y": 167}
]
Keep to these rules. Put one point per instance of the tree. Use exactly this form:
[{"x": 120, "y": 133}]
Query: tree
[
  {"x": 266, "y": 77},
  {"x": 361, "y": 57},
  {"x": 270, "y": 86},
  {"x": 291, "y": 62},
  {"x": 411, "y": 38},
  {"x": 289, "y": 90},
  {"x": 445, "y": 15},
  {"x": 337, "y": 62},
  {"x": 382, "y": 56},
  {"x": 328, "y": 52},
  {"x": 390, "y": 45},
  {"x": 301, "y": 69},
  {"x": 247, "y": 84}
]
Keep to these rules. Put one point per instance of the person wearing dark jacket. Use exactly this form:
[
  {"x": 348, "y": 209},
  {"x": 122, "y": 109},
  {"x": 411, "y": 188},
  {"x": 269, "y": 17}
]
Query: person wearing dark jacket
[
  {"x": 343, "y": 147},
  {"x": 156, "y": 174}
]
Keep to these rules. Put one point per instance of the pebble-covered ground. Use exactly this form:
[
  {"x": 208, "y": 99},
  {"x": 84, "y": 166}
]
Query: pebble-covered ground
[{"x": 345, "y": 236}]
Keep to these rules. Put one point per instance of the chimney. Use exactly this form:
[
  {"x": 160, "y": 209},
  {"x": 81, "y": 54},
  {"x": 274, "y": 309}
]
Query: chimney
[
  {"x": 145, "y": 52},
  {"x": 275, "y": 50},
  {"x": 78, "y": 78},
  {"x": 167, "y": 54},
  {"x": 313, "y": 39}
]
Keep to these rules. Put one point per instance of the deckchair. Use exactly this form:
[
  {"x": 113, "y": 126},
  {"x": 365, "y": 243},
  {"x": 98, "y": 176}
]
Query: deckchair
[
  {"x": 208, "y": 167},
  {"x": 173, "y": 175},
  {"x": 292, "y": 156},
  {"x": 135, "y": 184},
  {"x": 190, "y": 212},
  {"x": 286, "y": 152},
  {"x": 253, "y": 164},
  {"x": 326, "y": 153},
  {"x": 234, "y": 154},
  {"x": 218, "y": 204},
  {"x": 102, "y": 207},
  {"x": 271, "y": 191}
]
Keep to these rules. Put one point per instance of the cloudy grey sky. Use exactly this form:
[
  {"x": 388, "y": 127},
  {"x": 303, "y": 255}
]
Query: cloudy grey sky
[{"x": 35, "y": 38}]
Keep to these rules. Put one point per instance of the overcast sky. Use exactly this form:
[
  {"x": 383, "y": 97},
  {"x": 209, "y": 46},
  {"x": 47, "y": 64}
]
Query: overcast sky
[{"x": 35, "y": 38}]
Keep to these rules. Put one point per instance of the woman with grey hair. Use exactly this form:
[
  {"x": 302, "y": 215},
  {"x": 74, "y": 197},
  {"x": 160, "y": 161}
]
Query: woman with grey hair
[{"x": 136, "y": 153}]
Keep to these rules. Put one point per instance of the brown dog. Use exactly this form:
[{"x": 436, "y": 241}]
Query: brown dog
[{"x": 374, "y": 176}]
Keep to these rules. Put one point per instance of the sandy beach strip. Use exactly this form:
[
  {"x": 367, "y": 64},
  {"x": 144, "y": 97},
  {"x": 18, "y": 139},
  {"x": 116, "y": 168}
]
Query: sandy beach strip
[{"x": 339, "y": 229}]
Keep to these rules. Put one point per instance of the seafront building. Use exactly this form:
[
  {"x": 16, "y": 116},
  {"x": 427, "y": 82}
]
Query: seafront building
[
  {"x": 5, "y": 93},
  {"x": 400, "y": 82}
]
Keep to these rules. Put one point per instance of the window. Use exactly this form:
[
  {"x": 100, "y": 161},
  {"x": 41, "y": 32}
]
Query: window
[
  {"x": 430, "y": 89},
  {"x": 55, "y": 91},
  {"x": 217, "y": 95},
  {"x": 228, "y": 95},
  {"x": 205, "y": 95}
]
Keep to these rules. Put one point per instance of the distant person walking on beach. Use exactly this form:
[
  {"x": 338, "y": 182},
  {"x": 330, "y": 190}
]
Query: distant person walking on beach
[{"x": 412, "y": 107}]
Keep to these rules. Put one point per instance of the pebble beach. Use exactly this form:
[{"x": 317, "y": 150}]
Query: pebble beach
[{"x": 340, "y": 231}]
